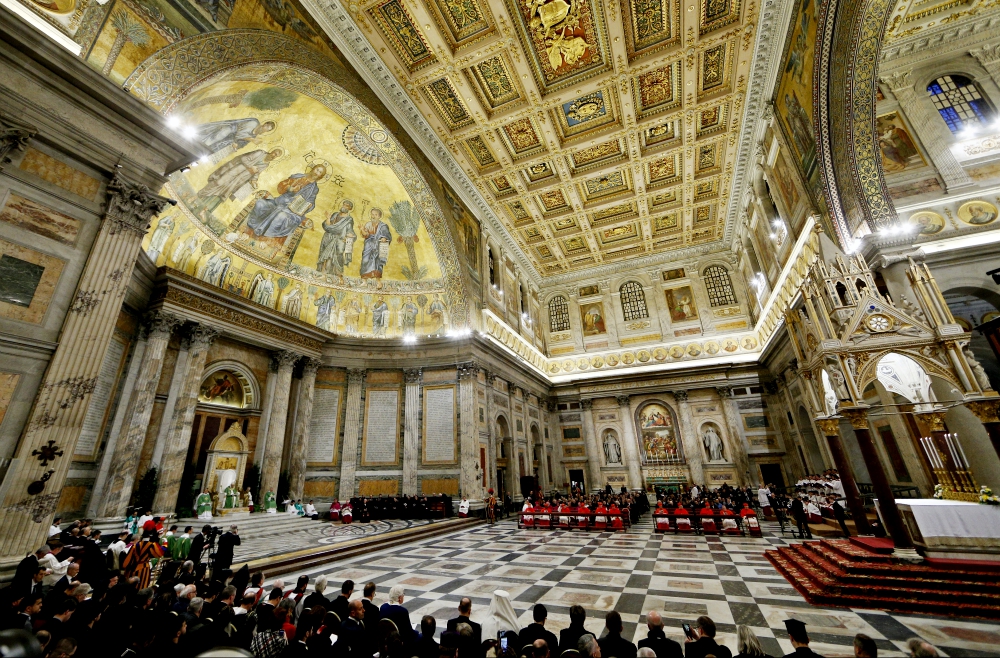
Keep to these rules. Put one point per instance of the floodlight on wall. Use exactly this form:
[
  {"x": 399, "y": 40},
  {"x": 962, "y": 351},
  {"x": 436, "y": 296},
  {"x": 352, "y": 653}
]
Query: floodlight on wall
[{"x": 996, "y": 275}]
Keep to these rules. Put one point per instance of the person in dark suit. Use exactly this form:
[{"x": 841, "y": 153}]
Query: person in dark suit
[
  {"x": 25, "y": 573},
  {"x": 657, "y": 640},
  {"x": 536, "y": 630},
  {"x": 613, "y": 644},
  {"x": 317, "y": 597},
  {"x": 464, "y": 611},
  {"x": 224, "y": 550},
  {"x": 801, "y": 520},
  {"x": 393, "y": 609},
  {"x": 426, "y": 646},
  {"x": 800, "y": 640},
  {"x": 340, "y": 604},
  {"x": 372, "y": 614},
  {"x": 197, "y": 548},
  {"x": 570, "y": 637},
  {"x": 303, "y": 631},
  {"x": 840, "y": 514},
  {"x": 61, "y": 613},
  {"x": 704, "y": 644},
  {"x": 352, "y": 637},
  {"x": 265, "y": 611}
]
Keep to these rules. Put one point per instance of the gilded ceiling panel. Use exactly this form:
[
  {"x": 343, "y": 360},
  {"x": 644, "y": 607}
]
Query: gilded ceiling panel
[
  {"x": 463, "y": 22},
  {"x": 716, "y": 14},
  {"x": 652, "y": 25},
  {"x": 598, "y": 155},
  {"x": 552, "y": 202},
  {"x": 539, "y": 172},
  {"x": 565, "y": 41},
  {"x": 501, "y": 187},
  {"x": 666, "y": 223},
  {"x": 402, "y": 33},
  {"x": 495, "y": 84},
  {"x": 663, "y": 200},
  {"x": 618, "y": 235},
  {"x": 587, "y": 115},
  {"x": 712, "y": 120},
  {"x": 448, "y": 104},
  {"x": 664, "y": 170},
  {"x": 480, "y": 153},
  {"x": 615, "y": 213},
  {"x": 658, "y": 91},
  {"x": 606, "y": 186},
  {"x": 522, "y": 139},
  {"x": 665, "y": 134}
]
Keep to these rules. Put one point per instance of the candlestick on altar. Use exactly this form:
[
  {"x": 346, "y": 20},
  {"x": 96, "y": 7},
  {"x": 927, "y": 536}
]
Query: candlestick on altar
[{"x": 961, "y": 451}]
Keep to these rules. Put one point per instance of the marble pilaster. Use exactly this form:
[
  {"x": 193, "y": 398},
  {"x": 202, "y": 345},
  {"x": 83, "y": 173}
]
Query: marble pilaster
[
  {"x": 300, "y": 433},
  {"x": 411, "y": 430},
  {"x": 592, "y": 446},
  {"x": 693, "y": 452},
  {"x": 128, "y": 445},
  {"x": 94, "y": 507},
  {"x": 175, "y": 448},
  {"x": 737, "y": 446},
  {"x": 271, "y": 469},
  {"x": 470, "y": 480},
  {"x": 352, "y": 432},
  {"x": 932, "y": 130},
  {"x": 35, "y": 477},
  {"x": 631, "y": 444},
  {"x": 491, "y": 432}
]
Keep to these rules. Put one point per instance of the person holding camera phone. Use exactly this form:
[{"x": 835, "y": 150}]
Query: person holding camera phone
[{"x": 700, "y": 641}]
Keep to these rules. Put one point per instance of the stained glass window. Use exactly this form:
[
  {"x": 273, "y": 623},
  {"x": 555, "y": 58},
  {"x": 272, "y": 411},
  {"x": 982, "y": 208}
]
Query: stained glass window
[
  {"x": 558, "y": 314},
  {"x": 959, "y": 102},
  {"x": 633, "y": 301},
  {"x": 719, "y": 286}
]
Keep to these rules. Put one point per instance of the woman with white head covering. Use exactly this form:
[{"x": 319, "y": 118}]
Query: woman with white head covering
[{"x": 501, "y": 616}]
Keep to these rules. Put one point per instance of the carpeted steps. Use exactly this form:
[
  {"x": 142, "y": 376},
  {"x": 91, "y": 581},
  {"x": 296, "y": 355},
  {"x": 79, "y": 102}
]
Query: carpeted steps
[{"x": 836, "y": 572}]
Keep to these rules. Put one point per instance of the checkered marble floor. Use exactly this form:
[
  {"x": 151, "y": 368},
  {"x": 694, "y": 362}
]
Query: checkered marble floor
[{"x": 682, "y": 576}]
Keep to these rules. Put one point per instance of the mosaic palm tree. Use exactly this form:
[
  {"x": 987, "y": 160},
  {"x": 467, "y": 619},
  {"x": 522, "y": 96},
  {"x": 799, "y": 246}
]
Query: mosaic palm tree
[
  {"x": 407, "y": 223},
  {"x": 127, "y": 30}
]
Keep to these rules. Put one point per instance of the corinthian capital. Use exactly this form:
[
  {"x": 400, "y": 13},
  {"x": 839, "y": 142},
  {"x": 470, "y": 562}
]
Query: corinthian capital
[
  {"x": 14, "y": 136},
  {"x": 311, "y": 366},
  {"x": 355, "y": 376},
  {"x": 829, "y": 426},
  {"x": 130, "y": 205},
  {"x": 857, "y": 417},
  {"x": 989, "y": 54},
  {"x": 900, "y": 80},
  {"x": 203, "y": 335},
  {"x": 467, "y": 370},
  {"x": 285, "y": 358},
  {"x": 161, "y": 324},
  {"x": 681, "y": 396},
  {"x": 412, "y": 375},
  {"x": 623, "y": 400}
]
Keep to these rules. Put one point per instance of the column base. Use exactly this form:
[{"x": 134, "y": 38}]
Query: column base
[{"x": 908, "y": 555}]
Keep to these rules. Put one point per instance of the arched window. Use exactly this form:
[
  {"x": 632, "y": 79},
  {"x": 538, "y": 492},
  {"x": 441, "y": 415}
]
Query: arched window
[
  {"x": 960, "y": 103},
  {"x": 719, "y": 286},
  {"x": 633, "y": 301},
  {"x": 524, "y": 298},
  {"x": 492, "y": 267},
  {"x": 558, "y": 314}
]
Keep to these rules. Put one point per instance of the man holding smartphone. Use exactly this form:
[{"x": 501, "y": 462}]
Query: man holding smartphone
[{"x": 700, "y": 641}]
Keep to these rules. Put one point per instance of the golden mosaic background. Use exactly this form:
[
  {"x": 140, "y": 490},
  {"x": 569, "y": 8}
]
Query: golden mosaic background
[{"x": 599, "y": 130}]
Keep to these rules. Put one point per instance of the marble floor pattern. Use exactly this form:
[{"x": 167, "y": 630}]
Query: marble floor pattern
[{"x": 633, "y": 572}]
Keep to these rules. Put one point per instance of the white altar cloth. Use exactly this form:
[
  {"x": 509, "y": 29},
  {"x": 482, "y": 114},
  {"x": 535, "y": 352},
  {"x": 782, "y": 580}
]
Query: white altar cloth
[{"x": 953, "y": 525}]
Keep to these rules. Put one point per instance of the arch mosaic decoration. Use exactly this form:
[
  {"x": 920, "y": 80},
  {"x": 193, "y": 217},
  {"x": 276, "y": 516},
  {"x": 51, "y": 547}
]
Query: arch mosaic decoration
[{"x": 241, "y": 379}]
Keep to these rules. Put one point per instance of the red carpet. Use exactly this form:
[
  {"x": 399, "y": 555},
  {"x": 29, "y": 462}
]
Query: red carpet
[{"x": 841, "y": 573}]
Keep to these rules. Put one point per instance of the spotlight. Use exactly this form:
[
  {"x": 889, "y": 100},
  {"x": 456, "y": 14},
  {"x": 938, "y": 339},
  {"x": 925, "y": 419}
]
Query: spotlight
[
  {"x": 409, "y": 339},
  {"x": 173, "y": 122}
]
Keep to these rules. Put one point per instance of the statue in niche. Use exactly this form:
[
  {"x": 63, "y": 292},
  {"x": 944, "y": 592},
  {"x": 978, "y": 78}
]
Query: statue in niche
[
  {"x": 839, "y": 382},
  {"x": 713, "y": 445},
  {"x": 977, "y": 369},
  {"x": 612, "y": 451}
]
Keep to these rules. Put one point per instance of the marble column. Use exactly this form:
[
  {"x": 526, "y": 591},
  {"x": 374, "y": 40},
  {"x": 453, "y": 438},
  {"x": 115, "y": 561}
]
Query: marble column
[
  {"x": 96, "y": 504},
  {"x": 128, "y": 446},
  {"x": 469, "y": 437},
  {"x": 831, "y": 429},
  {"x": 932, "y": 129},
  {"x": 411, "y": 430},
  {"x": 988, "y": 413},
  {"x": 352, "y": 432},
  {"x": 491, "y": 433},
  {"x": 265, "y": 414},
  {"x": 271, "y": 470},
  {"x": 592, "y": 445},
  {"x": 176, "y": 382},
  {"x": 515, "y": 446},
  {"x": 175, "y": 447},
  {"x": 737, "y": 446},
  {"x": 300, "y": 434},
  {"x": 880, "y": 483},
  {"x": 631, "y": 445},
  {"x": 37, "y": 473},
  {"x": 693, "y": 453}
]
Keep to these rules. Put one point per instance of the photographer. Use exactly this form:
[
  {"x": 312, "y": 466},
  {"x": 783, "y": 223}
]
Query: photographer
[
  {"x": 198, "y": 543},
  {"x": 224, "y": 552}
]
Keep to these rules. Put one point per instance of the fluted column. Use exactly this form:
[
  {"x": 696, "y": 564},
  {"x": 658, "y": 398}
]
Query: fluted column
[
  {"x": 300, "y": 433},
  {"x": 491, "y": 432},
  {"x": 831, "y": 428},
  {"x": 469, "y": 440},
  {"x": 175, "y": 447},
  {"x": 880, "y": 483},
  {"x": 37, "y": 473},
  {"x": 739, "y": 452},
  {"x": 632, "y": 458},
  {"x": 128, "y": 446},
  {"x": 932, "y": 130},
  {"x": 411, "y": 430},
  {"x": 592, "y": 445},
  {"x": 693, "y": 452},
  {"x": 271, "y": 470},
  {"x": 352, "y": 432}
]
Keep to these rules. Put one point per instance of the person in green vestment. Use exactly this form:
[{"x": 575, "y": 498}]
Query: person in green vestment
[
  {"x": 203, "y": 504},
  {"x": 230, "y": 497},
  {"x": 182, "y": 545},
  {"x": 270, "y": 503}
]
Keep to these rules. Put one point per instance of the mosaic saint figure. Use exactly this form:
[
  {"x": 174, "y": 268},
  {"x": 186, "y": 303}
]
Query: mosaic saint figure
[
  {"x": 231, "y": 176},
  {"x": 233, "y": 133},
  {"x": 336, "y": 248},
  {"x": 278, "y": 217},
  {"x": 326, "y": 307},
  {"x": 380, "y": 317},
  {"x": 436, "y": 311},
  {"x": 410, "y": 311},
  {"x": 159, "y": 237},
  {"x": 216, "y": 268},
  {"x": 377, "y": 237}
]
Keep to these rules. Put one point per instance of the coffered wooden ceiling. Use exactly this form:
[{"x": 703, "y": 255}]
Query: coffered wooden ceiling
[{"x": 599, "y": 130}]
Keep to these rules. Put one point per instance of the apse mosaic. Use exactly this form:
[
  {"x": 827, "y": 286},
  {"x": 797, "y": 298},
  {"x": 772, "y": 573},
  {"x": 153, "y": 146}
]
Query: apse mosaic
[{"x": 307, "y": 205}]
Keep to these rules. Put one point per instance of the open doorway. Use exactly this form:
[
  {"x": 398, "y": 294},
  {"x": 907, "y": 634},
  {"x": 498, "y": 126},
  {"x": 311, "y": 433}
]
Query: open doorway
[
  {"x": 771, "y": 474},
  {"x": 576, "y": 479}
]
